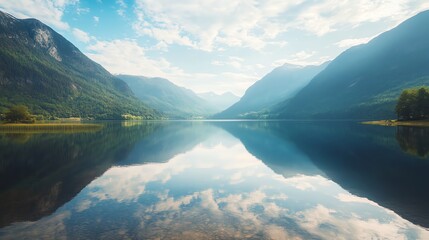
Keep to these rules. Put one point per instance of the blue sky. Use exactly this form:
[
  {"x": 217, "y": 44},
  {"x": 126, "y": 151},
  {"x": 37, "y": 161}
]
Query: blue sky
[{"x": 214, "y": 45}]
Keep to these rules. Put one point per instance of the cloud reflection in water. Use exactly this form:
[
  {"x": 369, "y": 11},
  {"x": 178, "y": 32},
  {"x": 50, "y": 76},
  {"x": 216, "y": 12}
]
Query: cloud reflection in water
[{"x": 217, "y": 190}]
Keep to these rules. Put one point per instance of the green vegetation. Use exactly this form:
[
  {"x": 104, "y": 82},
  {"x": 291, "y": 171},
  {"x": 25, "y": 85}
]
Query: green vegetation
[
  {"x": 413, "y": 104},
  {"x": 55, "y": 80},
  {"x": 19, "y": 120},
  {"x": 19, "y": 114},
  {"x": 412, "y": 109}
]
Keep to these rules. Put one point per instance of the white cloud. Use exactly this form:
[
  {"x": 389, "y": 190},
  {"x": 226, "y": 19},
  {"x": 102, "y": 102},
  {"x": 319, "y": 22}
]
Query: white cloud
[
  {"x": 81, "y": 35},
  {"x": 235, "y": 62},
  {"x": 47, "y": 11},
  {"x": 350, "y": 42},
  {"x": 82, "y": 10},
  {"x": 83, "y": 205},
  {"x": 126, "y": 56},
  {"x": 343, "y": 197},
  {"x": 353, "y": 227},
  {"x": 254, "y": 24},
  {"x": 277, "y": 232},
  {"x": 96, "y": 19},
  {"x": 304, "y": 183},
  {"x": 302, "y": 58},
  {"x": 228, "y": 22},
  {"x": 169, "y": 204},
  {"x": 122, "y": 7},
  {"x": 169, "y": 36},
  {"x": 130, "y": 186},
  {"x": 327, "y": 16},
  {"x": 131, "y": 181}
]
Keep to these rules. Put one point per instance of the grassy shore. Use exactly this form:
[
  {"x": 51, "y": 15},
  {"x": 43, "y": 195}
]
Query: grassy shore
[
  {"x": 48, "y": 127},
  {"x": 417, "y": 123}
]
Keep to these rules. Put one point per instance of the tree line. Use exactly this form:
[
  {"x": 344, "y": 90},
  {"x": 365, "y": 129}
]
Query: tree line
[
  {"x": 413, "y": 104},
  {"x": 18, "y": 114}
]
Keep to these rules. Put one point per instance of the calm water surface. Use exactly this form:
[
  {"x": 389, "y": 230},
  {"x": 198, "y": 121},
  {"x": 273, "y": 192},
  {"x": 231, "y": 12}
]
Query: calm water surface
[{"x": 217, "y": 180}]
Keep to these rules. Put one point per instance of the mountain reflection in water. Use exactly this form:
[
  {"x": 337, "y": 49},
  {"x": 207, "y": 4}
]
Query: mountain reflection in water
[{"x": 259, "y": 180}]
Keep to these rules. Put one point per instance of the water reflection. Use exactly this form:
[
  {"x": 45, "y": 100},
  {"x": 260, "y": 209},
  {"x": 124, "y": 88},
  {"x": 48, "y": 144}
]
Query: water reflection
[
  {"x": 262, "y": 140},
  {"x": 367, "y": 161},
  {"x": 19, "y": 138},
  {"x": 414, "y": 140},
  {"x": 41, "y": 172},
  {"x": 259, "y": 180}
]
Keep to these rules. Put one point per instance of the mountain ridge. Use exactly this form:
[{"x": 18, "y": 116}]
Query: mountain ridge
[
  {"x": 43, "y": 70},
  {"x": 174, "y": 101},
  {"x": 365, "y": 81},
  {"x": 280, "y": 84}
]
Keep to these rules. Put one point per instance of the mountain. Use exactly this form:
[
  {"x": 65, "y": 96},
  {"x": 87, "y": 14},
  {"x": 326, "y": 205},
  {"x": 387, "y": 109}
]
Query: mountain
[
  {"x": 168, "y": 98},
  {"x": 365, "y": 81},
  {"x": 41, "y": 69},
  {"x": 279, "y": 85},
  {"x": 220, "y": 101}
]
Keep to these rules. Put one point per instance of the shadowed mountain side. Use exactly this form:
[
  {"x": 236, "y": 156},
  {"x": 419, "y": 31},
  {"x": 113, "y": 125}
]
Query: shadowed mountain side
[
  {"x": 366, "y": 161},
  {"x": 280, "y": 84},
  {"x": 262, "y": 140},
  {"x": 164, "y": 96},
  {"x": 365, "y": 81},
  {"x": 39, "y": 173}
]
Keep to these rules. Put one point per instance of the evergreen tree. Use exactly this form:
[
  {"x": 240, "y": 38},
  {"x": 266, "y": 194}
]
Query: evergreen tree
[
  {"x": 413, "y": 104},
  {"x": 423, "y": 102}
]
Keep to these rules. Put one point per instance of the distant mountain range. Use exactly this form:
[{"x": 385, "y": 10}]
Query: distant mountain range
[
  {"x": 41, "y": 69},
  {"x": 171, "y": 100},
  {"x": 365, "y": 81},
  {"x": 220, "y": 101},
  {"x": 279, "y": 85}
]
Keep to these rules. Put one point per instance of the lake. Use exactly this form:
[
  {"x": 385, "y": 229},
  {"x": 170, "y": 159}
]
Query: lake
[{"x": 217, "y": 180}]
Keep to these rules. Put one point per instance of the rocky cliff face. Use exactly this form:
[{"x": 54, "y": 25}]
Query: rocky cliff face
[{"x": 43, "y": 70}]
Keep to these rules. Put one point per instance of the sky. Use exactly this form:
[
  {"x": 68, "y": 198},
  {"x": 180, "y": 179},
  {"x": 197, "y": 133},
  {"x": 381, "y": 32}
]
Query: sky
[{"x": 214, "y": 45}]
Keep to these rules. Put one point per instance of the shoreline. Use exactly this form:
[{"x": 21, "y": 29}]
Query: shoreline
[
  {"x": 394, "y": 123},
  {"x": 49, "y": 127}
]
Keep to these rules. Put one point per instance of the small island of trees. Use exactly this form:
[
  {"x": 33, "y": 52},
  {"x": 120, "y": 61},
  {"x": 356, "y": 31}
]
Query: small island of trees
[{"x": 413, "y": 104}]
